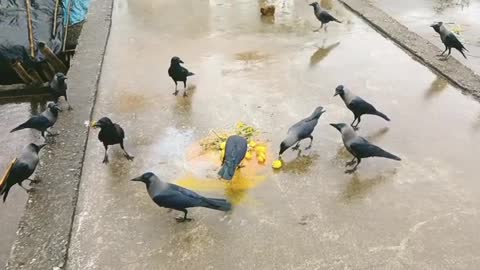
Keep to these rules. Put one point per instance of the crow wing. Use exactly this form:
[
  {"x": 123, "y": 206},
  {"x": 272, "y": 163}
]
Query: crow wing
[
  {"x": 177, "y": 197},
  {"x": 360, "y": 106},
  {"x": 452, "y": 41}
]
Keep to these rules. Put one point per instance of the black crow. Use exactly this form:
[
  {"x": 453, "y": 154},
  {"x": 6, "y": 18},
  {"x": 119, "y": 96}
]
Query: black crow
[
  {"x": 359, "y": 147},
  {"x": 110, "y": 134},
  {"x": 301, "y": 130},
  {"x": 179, "y": 74},
  {"x": 42, "y": 121},
  {"x": 178, "y": 198},
  {"x": 235, "y": 150},
  {"x": 21, "y": 169},
  {"x": 357, "y": 105}
]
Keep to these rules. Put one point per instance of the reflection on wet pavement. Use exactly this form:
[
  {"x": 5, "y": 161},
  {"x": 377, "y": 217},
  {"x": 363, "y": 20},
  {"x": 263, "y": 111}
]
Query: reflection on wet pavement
[
  {"x": 416, "y": 213},
  {"x": 321, "y": 53}
]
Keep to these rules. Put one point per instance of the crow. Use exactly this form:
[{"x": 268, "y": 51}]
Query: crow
[
  {"x": 21, "y": 169},
  {"x": 357, "y": 105},
  {"x": 178, "y": 198},
  {"x": 235, "y": 150},
  {"x": 179, "y": 74},
  {"x": 449, "y": 39},
  {"x": 359, "y": 147},
  {"x": 110, "y": 134},
  {"x": 58, "y": 88},
  {"x": 42, "y": 121},
  {"x": 301, "y": 130},
  {"x": 322, "y": 15}
]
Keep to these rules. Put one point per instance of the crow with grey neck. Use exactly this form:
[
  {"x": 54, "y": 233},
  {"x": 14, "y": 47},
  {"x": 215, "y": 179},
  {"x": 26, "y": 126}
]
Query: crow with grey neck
[
  {"x": 22, "y": 168},
  {"x": 110, "y": 134},
  {"x": 449, "y": 39},
  {"x": 179, "y": 74},
  {"x": 178, "y": 198},
  {"x": 235, "y": 150},
  {"x": 357, "y": 105},
  {"x": 322, "y": 15},
  {"x": 42, "y": 121},
  {"x": 359, "y": 147},
  {"x": 58, "y": 88},
  {"x": 301, "y": 130}
]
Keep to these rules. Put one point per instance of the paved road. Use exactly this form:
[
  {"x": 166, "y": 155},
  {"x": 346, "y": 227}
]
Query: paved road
[
  {"x": 14, "y": 112},
  {"x": 421, "y": 213}
]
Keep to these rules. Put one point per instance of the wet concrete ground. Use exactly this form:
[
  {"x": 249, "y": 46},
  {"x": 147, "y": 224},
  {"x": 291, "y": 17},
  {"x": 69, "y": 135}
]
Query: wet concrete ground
[
  {"x": 420, "y": 213},
  {"x": 456, "y": 14},
  {"x": 14, "y": 112}
]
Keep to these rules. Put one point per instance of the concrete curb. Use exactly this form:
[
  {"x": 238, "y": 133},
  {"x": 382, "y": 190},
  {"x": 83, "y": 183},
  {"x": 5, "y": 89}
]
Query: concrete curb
[
  {"x": 423, "y": 50},
  {"x": 44, "y": 232}
]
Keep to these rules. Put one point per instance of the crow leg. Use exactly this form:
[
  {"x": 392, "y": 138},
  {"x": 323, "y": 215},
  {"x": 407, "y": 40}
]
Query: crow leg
[
  {"x": 176, "y": 91},
  {"x": 446, "y": 48},
  {"x": 45, "y": 137},
  {"x": 185, "y": 89},
  {"x": 51, "y": 134},
  {"x": 180, "y": 219},
  {"x": 321, "y": 26},
  {"x": 354, "y": 168},
  {"x": 126, "y": 154},
  {"x": 353, "y": 122},
  {"x": 311, "y": 141},
  {"x": 27, "y": 190},
  {"x": 69, "y": 106},
  {"x": 351, "y": 162},
  {"x": 296, "y": 147},
  {"x": 449, "y": 52},
  {"x": 105, "y": 157},
  {"x": 358, "y": 123},
  {"x": 34, "y": 181}
]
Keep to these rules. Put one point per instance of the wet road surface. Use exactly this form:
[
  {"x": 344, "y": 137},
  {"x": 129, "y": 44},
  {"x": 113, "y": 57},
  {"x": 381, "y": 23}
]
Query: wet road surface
[
  {"x": 418, "y": 15},
  {"x": 14, "y": 112},
  {"x": 419, "y": 213}
]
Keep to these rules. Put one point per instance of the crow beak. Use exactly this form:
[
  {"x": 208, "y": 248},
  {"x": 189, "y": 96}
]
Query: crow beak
[
  {"x": 336, "y": 94},
  {"x": 323, "y": 110},
  {"x": 180, "y": 61},
  {"x": 95, "y": 124},
  {"x": 432, "y": 25},
  {"x": 65, "y": 78},
  {"x": 58, "y": 108},
  {"x": 137, "y": 179},
  {"x": 335, "y": 126},
  {"x": 41, "y": 146}
]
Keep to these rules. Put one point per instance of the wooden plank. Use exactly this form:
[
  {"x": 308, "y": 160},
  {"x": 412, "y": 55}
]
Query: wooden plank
[
  {"x": 20, "y": 86},
  {"x": 3, "y": 181}
]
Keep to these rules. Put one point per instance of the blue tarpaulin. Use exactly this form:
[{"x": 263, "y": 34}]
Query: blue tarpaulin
[{"x": 78, "y": 11}]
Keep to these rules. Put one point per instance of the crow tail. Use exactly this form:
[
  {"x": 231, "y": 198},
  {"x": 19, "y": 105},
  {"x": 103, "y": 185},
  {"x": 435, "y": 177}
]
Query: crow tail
[
  {"x": 461, "y": 51},
  {"x": 218, "y": 204},
  {"x": 382, "y": 115},
  {"x": 22, "y": 126},
  {"x": 335, "y": 19},
  {"x": 190, "y": 74},
  {"x": 388, "y": 155},
  {"x": 4, "y": 192},
  {"x": 227, "y": 171}
]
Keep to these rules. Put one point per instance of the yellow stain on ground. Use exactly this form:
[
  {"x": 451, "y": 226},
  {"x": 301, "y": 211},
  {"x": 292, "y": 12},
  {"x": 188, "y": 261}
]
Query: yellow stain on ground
[
  {"x": 235, "y": 190},
  {"x": 210, "y": 150}
]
